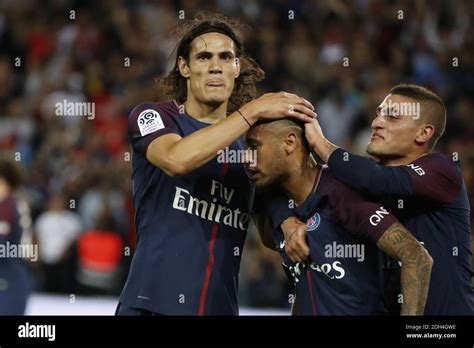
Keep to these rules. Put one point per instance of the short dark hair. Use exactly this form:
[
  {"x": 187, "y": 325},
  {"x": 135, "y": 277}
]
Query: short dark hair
[
  {"x": 436, "y": 114},
  {"x": 10, "y": 171},
  {"x": 285, "y": 122},
  {"x": 174, "y": 84}
]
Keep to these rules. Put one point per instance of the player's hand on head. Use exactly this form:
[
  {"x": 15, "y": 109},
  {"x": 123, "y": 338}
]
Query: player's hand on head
[
  {"x": 296, "y": 245},
  {"x": 313, "y": 132},
  {"x": 274, "y": 106}
]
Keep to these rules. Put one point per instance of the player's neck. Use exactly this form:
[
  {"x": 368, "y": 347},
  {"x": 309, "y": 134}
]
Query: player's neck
[
  {"x": 300, "y": 183},
  {"x": 401, "y": 161},
  {"x": 205, "y": 112}
]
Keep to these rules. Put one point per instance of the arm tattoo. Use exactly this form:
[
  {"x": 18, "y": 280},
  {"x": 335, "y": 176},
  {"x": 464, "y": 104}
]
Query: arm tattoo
[{"x": 400, "y": 244}]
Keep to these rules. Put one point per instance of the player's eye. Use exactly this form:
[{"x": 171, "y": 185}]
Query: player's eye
[
  {"x": 392, "y": 117},
  {"x": 226, "y": 56},
  {"x": 252, "y": 146},
  {"x": 204, "y": 57}
]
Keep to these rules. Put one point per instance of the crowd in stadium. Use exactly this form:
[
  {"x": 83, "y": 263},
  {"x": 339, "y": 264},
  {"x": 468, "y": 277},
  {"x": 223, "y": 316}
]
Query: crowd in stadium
[{"x": 343, "y": 56}]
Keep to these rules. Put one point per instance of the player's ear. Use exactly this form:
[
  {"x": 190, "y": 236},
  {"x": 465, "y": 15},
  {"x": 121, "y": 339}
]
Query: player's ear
[
  {"x": 237, "y": 66},
  {"x": 290, "y": 143},
  {"x": 425, "y": 133},
  {"x": 183, "y": 67}
]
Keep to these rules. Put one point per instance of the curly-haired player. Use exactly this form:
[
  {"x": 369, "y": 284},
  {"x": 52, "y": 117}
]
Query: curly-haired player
[{"x": 192, "y": 212}]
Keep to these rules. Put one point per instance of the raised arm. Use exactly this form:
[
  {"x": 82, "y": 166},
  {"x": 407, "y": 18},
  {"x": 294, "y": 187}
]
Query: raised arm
[
  {"x": 431, "y": 177},
  {"x": 178, "y": 156}
]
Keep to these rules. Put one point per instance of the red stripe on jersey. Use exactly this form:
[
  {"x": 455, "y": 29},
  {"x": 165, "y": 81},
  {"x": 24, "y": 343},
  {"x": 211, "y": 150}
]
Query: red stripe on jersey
[
  {"x": 310, "y": 284},
  {"x": 210, "y": 262},
  {"x": 225, "y": 168}
]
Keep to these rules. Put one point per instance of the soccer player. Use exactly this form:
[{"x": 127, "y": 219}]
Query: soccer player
[
  {"x": 425, "y": 190},
  {"x": 14, "y": 278},
  {"x": 191, "y": 211},
  {"x": 344, "y": 273}
]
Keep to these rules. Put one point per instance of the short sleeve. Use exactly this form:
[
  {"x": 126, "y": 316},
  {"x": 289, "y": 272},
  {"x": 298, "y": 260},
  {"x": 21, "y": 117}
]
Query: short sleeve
[{"x": 147, "y": 122}]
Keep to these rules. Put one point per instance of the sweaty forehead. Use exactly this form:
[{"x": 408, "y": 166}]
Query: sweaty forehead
[{"x": 212, "y": 42}]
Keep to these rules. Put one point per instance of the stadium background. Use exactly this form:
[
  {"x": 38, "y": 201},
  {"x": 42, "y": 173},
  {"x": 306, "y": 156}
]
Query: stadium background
[{"x": 109, "y": 53}]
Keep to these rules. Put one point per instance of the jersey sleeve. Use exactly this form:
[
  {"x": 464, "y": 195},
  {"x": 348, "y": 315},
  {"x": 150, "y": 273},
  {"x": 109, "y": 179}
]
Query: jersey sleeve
[
  {"x": 147, "y": 122},
  {"x": 360, "y": 217},
  {"x": 434, "y": 177},
  {"x": 430, "y": 177}
]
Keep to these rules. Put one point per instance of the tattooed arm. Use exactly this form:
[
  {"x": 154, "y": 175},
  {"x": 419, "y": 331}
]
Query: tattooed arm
[{"x": 416, "y": 262}]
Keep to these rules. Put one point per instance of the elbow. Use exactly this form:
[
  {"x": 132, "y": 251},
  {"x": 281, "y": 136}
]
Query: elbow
[
  {"x": 424, "y": 256},
  {"x": 428, "y": 259},
  {"x": 418, "y": 257},
  {"x": 170, "y": 167},
  {"x": 176, "y": 169}
]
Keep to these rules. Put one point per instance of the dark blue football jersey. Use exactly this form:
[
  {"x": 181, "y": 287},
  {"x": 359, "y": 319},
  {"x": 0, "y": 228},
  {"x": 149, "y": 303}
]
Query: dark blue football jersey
[
  {"x": 190, "y": 229},
  {"x": 14, "y": 277},
  {"x": 344, "y": 275},
  {"x": 429, "y": 197}
]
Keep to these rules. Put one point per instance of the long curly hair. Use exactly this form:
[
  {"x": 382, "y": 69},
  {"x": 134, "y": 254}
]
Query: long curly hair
[{"x": 174, "y": 84}]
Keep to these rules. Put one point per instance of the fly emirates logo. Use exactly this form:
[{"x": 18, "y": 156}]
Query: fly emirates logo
[{"x": 212, "y": 211}]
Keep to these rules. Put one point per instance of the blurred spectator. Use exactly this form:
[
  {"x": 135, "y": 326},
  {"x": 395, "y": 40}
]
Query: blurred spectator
[
  {"x": 100, "y": 252},
  {"x": 57, "y": 230}
]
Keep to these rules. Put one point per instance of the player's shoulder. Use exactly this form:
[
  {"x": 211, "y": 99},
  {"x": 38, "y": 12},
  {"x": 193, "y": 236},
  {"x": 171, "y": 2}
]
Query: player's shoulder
[
  {"x": 329, "y": 180},
  {"x": 438, "y": 175},
  {"x": 435, "y": 163},
  {"x": 333, "y": 188},
  {"x": 152, "y": 109}
]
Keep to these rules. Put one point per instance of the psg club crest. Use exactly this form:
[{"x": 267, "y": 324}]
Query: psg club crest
[{"x": 313, "y": 222}]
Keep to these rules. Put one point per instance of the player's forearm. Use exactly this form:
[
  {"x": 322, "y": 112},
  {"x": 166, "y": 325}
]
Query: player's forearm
[
  {"x": 198, "y": 148},
  {"x": 398, "y": 243},
  {"x": 322, "y": 147},
  {"x": 415, "y": 280},
  {"x": 365, "y": 175}
]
